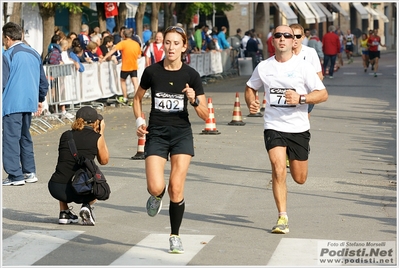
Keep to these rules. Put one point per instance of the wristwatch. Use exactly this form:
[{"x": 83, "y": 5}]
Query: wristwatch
[
  {"x": 196, "y": 102},
  {"x": 302, "y": 99}
]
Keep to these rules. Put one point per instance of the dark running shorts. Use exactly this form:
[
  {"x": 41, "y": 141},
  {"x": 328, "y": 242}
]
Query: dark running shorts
[
  {"x": 349, "y": 48},
  {"x": 125, "y": 74},
  {"x": 168, "y": 140},
  {"x": 297, "y": 143},
  {"x": 374, "y": 54}
]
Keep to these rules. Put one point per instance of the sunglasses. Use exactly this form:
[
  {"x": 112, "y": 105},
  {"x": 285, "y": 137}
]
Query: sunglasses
[
  {"x": 176, "y": 28},
  {"x": 286, "y": 35},
  {"x": 298, "y": 36}
]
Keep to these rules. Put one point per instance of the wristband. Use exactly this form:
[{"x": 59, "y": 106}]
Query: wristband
[{"x": 140, "y": 121}]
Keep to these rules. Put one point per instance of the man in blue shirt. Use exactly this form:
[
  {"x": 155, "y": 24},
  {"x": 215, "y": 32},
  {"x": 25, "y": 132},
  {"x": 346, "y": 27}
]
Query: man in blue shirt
[
  {"x": 223, "y": 43},
  {"x": 146, "y": 33},
  {"x": 24, "y": 89}
]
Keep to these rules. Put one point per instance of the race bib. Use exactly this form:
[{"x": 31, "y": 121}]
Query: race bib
[
  {"x": 375, "y": 43},
  {"x": 277, "y": 97},
  {"x": 169, "y": 102}
]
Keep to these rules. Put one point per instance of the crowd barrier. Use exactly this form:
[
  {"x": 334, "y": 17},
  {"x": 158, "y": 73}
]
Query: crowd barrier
[{"x": 98, "y": 81}]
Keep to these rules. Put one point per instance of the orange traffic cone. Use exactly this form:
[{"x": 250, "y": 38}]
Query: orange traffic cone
[
  {"x": 237, "y": 116},
  {"x": 263, "y": 102},
  {"x": 258, "y": 113},
  {"x": 210, "y": 123},
  {"x": 140, "y": 146}
]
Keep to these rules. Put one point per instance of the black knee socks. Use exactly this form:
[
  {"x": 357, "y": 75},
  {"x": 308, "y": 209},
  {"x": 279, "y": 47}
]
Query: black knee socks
[{"x": 176, "y": 211}]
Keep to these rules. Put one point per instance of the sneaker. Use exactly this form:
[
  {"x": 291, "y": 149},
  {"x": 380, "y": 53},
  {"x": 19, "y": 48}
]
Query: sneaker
[
  {"x": 67, "y": 217},
  {"x": 154, "y": 205},
  {"x": 365, "y": 69},
  {"x": 86, "y": 213},
  {"x": 68, "y": 115},
  {"x": 331, "y": 77},
  {"x": 121, "y": 100},
  {"x": 8, "y": 182},
  {"x": 30, "y": 177},
  {"x": 176, "y": 245},
  {"x": 282, "y": 226},
  {"x": 375, "y": 74}
]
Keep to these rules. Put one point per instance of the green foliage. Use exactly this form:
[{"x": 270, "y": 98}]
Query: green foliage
[
  {"x": 72, "y": 7},
  {"x": 207, "y": 8}
]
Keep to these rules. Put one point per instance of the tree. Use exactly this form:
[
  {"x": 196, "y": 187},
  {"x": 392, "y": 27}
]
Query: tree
[
  {"x": 139, "y": 18},
  {"x": 101, "y": 16},
  {"x": 154, "y": 16},
  {"x": 47, "y": 12},
  {"x": 16, "y": 13},
  {"x": 122, "y": 14},
  {"x": 75, "y": 20}
]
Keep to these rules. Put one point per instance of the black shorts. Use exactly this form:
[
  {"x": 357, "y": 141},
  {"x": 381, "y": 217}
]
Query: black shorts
[
  {"x": 349, "y": 48},
  {"x": 374, "y": 54},
  {"x": 168, "y": 140},
  {"x": 297, "y": 143},
  {"x": 65, "y": 193},
  {"x": 125, "y": 74}
]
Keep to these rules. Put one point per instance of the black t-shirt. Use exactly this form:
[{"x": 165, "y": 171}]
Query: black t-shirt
[
  {"x": 86, "y": 144},
  {"x": 168, "y": 102}
]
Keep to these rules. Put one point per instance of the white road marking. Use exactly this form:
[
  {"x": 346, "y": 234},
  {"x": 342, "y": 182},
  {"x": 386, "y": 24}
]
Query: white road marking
[
  {"x": 295, "y": 252},
  {"x": 348, "y": 73},
  {"x": 28, "y": 246},
  {"x": 153, "y": 250}
]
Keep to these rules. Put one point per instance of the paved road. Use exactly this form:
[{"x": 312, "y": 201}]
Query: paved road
[{"x": 350, "y": 194}]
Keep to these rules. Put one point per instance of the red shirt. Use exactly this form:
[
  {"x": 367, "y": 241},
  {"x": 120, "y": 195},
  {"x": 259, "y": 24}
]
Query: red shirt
[
  {"x": 111, "y": 9},
  {"x": 331, "y": 44},
  {"x": 373, "y": 42},
  {"x": 270, "y": 48}
]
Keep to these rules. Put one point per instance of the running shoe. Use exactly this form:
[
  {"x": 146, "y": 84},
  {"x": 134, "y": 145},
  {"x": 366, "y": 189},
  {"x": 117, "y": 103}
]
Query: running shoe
[
  {"x": 176, "y": 245},
  {"x": 121, "y": 100},
  {"x": 154, "y": 205},
  {"x": 282, "y": 226},
  {"x": 9, "y": 182},
  {"x": 67, "y": 217},
  {"x": 86, "y": 213},
  {"x": 375, "y": 74},
  {"x": 30, "y": 177}
]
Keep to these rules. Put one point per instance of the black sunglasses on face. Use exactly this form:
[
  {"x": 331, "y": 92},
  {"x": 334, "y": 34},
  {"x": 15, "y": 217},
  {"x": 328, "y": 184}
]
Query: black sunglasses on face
[
  {"x": 286, "y": 35},
  {"x": 298, "y": 36}
]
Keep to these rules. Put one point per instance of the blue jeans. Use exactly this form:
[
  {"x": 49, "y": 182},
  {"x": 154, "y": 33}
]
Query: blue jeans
[
  {"x": 327, "y": 58},
  {"x": 18, "y": 157}
]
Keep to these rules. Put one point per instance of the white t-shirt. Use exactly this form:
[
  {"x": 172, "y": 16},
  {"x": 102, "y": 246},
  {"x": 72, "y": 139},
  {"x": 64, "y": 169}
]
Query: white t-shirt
[
  {"x": 244, "y": 41},
  {"x": 310, "y": 54},
  {"x": 65, "y": 57},
  {"x": 276, "y": 78}
]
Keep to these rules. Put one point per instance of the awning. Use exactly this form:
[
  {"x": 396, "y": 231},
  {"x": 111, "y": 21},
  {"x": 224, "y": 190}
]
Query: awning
[
  {"x": 364, "y": 14},
  {"x": 305, "y": 12},
  {"x": 372, "y": 12},
  {"x": 320, "y": 17},
  {"x": 287, "y": 12},
  {"x": 325, "y": 11},
  {"x": 341, "y": 10},
  {"x": 381, "y": 15}
]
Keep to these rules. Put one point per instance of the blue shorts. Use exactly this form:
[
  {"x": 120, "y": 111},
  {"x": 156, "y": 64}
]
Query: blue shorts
[{"x": 168, "y": 140}]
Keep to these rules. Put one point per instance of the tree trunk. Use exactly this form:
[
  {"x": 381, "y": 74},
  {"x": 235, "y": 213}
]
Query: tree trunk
[
  {"x": 101, "y": 16},
  {"x": 75, "y": 20},
  {"x": 139, "y": 18},
  {"x": 16, "y": 14},
  {"x": 122, "y": 14},
  {"x": 154, "y": 16},
  {"x": 48, "y": 25}
]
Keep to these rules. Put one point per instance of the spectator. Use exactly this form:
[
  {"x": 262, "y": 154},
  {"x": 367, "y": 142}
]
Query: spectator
[
  {"x": 55, "y": 53},
  {"x": 88, "y": 134},
  {"x": 198, "y": 36},
  {"x": 131, "y": 51},
  {"x": 260, "y": 43},
  {"x": 252, "y": 49},
  {"x": 84, "y": 38},
  {"x": 24, "y": 90},
  {"x": 315, "y": 43},
  {"x": 72, "y": 35},
  {"x": 223, "y": 43},
  {"x": 96, "y": 32},
  {"x": 238, "y": 34},
  {"x": 97, "y": 40},
  {"x": 244, "y": 41},
  {"x": 331, "y": 47},
  {"x": 104, "y": 34},
  {"x": 205, "y": 37},
  {"x": 76, "y": 53},
  {"x": 107, "y": 46},
  {"x": 306, "y": 37},
  {"x": 192, "y": 48},
  {"x": 155, "y": 51},
  {"x": 118, "y": 35},
  {"x": 342, "y": 44},
  {"x": 270, "y": 47},
  {"x": 66, "y": 59},
  {"x": 91, "y": 52},
  {"x": 147, "y": 34}
]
